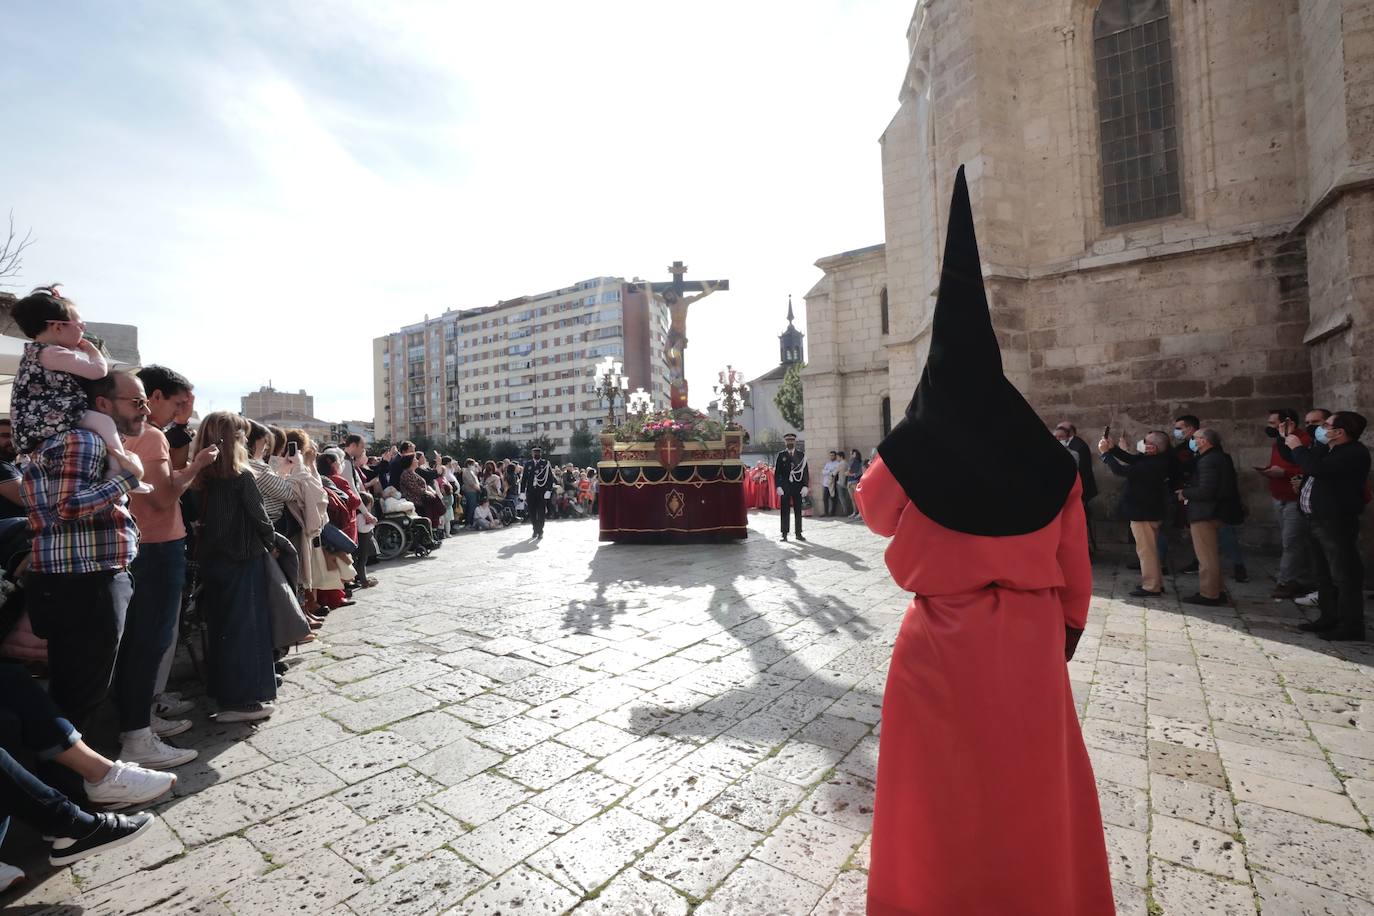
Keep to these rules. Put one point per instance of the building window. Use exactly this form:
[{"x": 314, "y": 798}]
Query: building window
[
  {"x": 887, "y": 414},
  {"x": 1135, "y": 107},
  {"x": 882, "y": 308}
]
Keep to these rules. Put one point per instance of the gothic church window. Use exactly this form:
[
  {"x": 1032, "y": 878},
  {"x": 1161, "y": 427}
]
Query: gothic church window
[
  {"x": 886, "y": 409},
  {"x": 1133, "y": 56},
  {"x": 882, "y": 308}
]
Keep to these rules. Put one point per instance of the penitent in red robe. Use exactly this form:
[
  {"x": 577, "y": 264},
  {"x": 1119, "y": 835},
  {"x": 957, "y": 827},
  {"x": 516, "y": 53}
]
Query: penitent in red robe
[{"x": 986, "y": 803}]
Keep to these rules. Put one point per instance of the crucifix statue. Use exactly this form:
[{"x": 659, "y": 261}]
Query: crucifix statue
[{"x": 674, "y": 294}]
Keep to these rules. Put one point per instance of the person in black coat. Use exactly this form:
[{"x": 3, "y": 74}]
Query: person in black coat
[
  {"x": 793, "y": 480},
  {"x": 1143, "y": 501},
  {"x": 1067, "y": 433},
  {"x": 1213, "y": 500},
  {"x": 1332, "y": 497}
]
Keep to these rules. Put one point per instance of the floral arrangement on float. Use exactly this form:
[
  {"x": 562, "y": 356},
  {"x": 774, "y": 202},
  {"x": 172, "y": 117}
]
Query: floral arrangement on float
[{"x": 683, "y": 424}]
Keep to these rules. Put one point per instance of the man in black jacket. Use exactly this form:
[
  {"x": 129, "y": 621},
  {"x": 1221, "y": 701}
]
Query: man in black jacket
[
  {"x": 793, "y": 479},
  {"x": 1143, "y": 501},
  {"x": 1067, "y": 433},
  {"x": 1332, "y": 498},
  {"x": 1213, "y": 500}
]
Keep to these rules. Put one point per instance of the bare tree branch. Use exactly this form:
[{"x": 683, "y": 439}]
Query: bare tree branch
[{"x": 12, "y": 252}]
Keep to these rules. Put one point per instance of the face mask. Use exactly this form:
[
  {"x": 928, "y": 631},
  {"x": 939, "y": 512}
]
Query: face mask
[
  {"x": 1140, "y": 446},
  {"x": 1178, "y": 434},
  {"x": 1321, "y": 434},
  {"x": 1192, "y": 444},
  {"x": 1271, "y": 432}
]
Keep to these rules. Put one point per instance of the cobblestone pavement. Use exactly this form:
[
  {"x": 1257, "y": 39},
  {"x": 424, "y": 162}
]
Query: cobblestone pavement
[{"x": 511, "y": 728}]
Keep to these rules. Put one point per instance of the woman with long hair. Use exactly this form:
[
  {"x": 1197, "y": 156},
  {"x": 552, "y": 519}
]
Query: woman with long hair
[{"x": 233, "y": 544}]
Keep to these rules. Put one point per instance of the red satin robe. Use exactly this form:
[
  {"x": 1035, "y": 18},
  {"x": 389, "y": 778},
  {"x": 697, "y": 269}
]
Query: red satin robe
[{"x": 986, "y": 804}]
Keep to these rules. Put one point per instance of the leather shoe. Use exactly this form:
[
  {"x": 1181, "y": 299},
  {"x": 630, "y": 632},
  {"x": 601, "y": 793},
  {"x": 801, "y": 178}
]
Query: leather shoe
[
  {"x": 800, "y": 538},
  {"x": 1202, "y": 599},
  {"x": 784, "y": 537},
  {"x": 1143, "y": 593}
]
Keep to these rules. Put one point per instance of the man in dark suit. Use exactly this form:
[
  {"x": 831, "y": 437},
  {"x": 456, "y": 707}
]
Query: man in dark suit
[
  {"x": 1332, "y": 497},
  {"x": 1067, "y": 433},
  {"x": 793, "y": 481},
  {"x": 1143, "y": 501}
]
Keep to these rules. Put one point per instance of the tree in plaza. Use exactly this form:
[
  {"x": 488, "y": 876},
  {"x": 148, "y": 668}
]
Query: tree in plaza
[
  {"x": 475, "y": 446},
  {"x": 377, "y": 446},
  {"x": 789, "y": 397},
  {"x": 769, "y": 440},
  {"x": 505, "y": 448},
  {"x": 541, "y": 441},
  {"x": 582, "y": 449}
]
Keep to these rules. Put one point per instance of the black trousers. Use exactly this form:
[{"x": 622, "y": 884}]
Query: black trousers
[
  {"x": 81, "y": 615},
  {"x": 362, "y": 555},
  {"x": 828, "y": 500},
  {"x": 794, "y": 501},
  {"x": 538, "y": 508},
  {"x": 1335, "y": 553}
]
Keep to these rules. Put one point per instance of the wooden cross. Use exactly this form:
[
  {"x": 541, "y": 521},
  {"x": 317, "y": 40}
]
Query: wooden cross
[{"x": 673, "y": 294}]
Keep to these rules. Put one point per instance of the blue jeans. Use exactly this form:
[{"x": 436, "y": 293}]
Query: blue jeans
[
  {"x": 159, "y": 573},
  {"x": 28, "y": 716},
  {"x": 39, "y": 805},
  {"x": 469, "y": 508},
  {"x": 1228, "y": 541}
]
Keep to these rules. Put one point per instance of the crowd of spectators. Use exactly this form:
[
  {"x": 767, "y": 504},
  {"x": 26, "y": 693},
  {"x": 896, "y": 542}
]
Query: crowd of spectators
[
  {"x": 1317, "y": 480},
  {"x": 119, "y": 512}
]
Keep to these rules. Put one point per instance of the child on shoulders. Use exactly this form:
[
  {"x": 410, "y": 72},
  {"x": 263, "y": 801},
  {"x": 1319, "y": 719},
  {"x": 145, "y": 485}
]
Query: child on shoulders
[{"x": 47, "y": 398}]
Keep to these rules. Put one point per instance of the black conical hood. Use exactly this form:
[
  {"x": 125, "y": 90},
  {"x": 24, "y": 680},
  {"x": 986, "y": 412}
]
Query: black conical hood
[{"x": 971, "y": 453}]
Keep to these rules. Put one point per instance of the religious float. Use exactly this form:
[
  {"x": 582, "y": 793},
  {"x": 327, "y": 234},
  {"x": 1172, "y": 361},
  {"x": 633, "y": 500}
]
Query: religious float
[
  {"x": 675, "y": 477},
  {"x": 672, "y": 476}
]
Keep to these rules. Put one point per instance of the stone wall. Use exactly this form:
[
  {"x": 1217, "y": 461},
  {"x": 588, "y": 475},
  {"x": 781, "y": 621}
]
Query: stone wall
[
  {"x": 1215, "y": 333},
  {"x": 846, "y": 376}
]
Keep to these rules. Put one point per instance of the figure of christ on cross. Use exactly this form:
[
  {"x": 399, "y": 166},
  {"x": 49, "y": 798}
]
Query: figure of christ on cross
[{"x": 674, "y": 295}]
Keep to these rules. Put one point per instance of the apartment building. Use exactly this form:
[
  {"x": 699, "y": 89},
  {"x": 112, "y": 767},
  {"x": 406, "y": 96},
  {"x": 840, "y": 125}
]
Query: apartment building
[
  {"x": 268, "y": 401},
  {"x": 520, "y": 368}
]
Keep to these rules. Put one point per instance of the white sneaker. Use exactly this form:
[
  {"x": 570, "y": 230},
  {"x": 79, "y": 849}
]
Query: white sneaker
[
  {"x": 128, "y": 784},
  {"x": 1308, "y": 600},
  {"x": 169, "y": 705},
  {"x": 165, "y": 728},
  {"x": 248, "y": 714},
  {"x": 9, "y": 876},
  {"x": 150, "y": 751}
]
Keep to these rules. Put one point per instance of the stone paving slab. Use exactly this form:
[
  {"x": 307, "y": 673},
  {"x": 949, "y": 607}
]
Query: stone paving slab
[{"x": 602, "y": 729}]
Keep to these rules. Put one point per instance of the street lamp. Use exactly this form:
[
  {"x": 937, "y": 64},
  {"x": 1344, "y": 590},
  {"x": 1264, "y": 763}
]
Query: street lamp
[
  {"x": 731, "y": 389},
  {"x": 612, "y": 383}
]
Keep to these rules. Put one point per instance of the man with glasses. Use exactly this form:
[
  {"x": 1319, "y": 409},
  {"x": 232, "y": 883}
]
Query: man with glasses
[
  {"x": 159, "y": 573},
  {"x": 78, "y": 585}
]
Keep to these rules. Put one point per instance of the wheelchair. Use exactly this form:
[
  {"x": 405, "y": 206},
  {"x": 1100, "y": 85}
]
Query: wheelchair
[{"x": 399, "y": 533}]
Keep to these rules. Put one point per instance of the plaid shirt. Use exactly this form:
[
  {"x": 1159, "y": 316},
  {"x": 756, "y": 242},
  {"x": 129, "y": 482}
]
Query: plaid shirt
[{"x": 80, "y": 519}]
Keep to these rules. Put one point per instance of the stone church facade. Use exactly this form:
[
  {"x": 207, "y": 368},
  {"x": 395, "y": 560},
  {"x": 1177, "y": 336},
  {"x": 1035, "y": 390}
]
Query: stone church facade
[{"x": 1174, "y": 204}]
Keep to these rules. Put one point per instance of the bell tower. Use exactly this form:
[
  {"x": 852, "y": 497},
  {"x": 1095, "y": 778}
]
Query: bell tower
[{"x": 790, "y": 349}]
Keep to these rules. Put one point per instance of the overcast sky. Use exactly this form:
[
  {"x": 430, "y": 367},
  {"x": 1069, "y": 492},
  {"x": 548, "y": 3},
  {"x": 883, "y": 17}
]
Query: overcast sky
[{"x": 264, "y": 186}]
